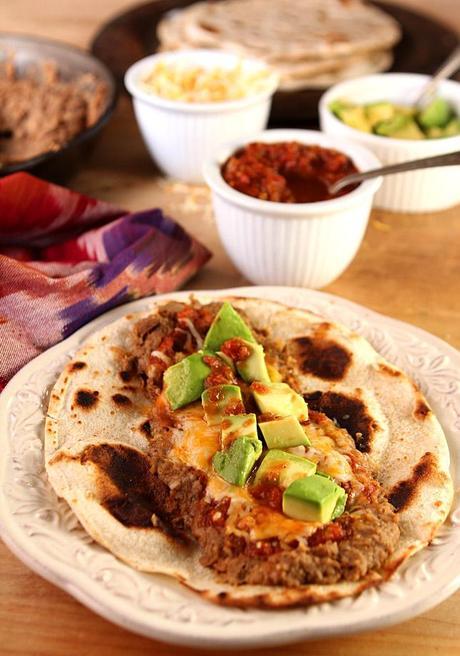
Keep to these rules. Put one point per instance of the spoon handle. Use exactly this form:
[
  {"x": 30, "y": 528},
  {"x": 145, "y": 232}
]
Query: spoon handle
[
  {"x": 448, "y": 68},
  {"x": 449, "y": 159}
]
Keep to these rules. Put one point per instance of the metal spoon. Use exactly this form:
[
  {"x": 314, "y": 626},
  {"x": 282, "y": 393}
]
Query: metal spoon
[
  {"x": 449, "y": 159},
  {"x": 448, "y": 68}
]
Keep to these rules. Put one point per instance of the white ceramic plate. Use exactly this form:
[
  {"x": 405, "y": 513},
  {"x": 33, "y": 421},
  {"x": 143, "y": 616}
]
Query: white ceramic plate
[{"x": 43, "y": 532}]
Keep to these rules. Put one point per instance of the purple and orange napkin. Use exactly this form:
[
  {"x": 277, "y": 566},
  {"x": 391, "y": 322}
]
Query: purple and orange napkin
[{"x": 65, "y": 258}]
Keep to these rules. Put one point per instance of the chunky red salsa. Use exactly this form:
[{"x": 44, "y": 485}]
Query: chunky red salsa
[
  {"x": 221, "y": 374},
  {"x": 287, "y": 172},
  {"x": 236, "y": 349}
]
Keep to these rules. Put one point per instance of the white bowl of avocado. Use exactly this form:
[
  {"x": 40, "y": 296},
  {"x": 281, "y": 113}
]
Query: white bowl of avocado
[{"x": 378, "y": 111}]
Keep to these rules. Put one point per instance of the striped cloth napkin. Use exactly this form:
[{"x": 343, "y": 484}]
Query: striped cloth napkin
[{"x": 65, "y": 258}]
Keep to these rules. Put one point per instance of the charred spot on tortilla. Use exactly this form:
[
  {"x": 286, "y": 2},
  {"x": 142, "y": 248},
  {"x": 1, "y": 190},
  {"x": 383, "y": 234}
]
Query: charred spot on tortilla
[
  {"x": 403, "y": 492},
  {"x": 86, "y": 399},
  {"x": 121, "y": 400},
  {"x": 129, "y": 512},
  {"x": 422, "y": 411},
  {"x": 129, "y": 471},
  {"x": 76, "y": 366},
  {"x": 208, "y": 28},
  {"x": 385, "y": 369},
  {"x": 336, "y": 37},
  {"x": 125, "y": 466},
  {"x": 61, "y": 456},
  {"x": 322, "y": 357},
  {"x": 323, "y": 327},
  {"x": 128, "y": 374},
  {"x": 146, "y": 428},
  {"x": 350, "y": 413}
]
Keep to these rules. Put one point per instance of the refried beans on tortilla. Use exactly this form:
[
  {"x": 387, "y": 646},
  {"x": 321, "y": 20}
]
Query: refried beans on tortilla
[{"x": 40, "y": 112}]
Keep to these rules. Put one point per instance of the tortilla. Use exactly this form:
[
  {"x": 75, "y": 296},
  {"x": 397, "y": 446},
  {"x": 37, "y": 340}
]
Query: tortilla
[
  {"x": 99, "y": 415},
  {"x": 350, "y": 67},
  {"x": 300, "y": 40}
]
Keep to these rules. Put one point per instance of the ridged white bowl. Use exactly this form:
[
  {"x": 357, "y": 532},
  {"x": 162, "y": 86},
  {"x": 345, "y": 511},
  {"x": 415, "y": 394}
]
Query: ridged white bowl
[
  {"x": 180, "y": 136},
  {"x": 304, "y": 244},
  {"x": 417, "y": 191}
]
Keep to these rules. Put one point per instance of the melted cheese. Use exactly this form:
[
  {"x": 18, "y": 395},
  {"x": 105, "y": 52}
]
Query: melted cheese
[
  {"x": 248, "y": 517},
  {"x": 262, "y": 523},
  {"x": 195, "y": 444},
  {"x": 323, "y": 451}
]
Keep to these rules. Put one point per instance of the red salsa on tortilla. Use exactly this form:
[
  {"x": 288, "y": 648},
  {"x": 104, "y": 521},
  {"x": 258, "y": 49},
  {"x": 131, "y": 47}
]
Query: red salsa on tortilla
[{"x": 287, "y": 172}]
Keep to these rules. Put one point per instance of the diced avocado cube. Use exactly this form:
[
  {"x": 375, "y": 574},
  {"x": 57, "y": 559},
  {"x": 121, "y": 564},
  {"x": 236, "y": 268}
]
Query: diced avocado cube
[
  {"x": 312, "y": 499},
  {"x": 356, "y": 118},
  {"x": 282, "y": 468},
  {"x": 405, "y": 110},
  {"x": 219, "y": 401},
  {"x": 340, "y": 504},
  {"x": 399, "y": 127},
  {"x": 410, "y": 131},
  {"x": 320, "y": 473},
  {"x": 253, "y": 367},
  {"x": 436, "y": 114},
  {"x": 283, "y": 433},
  {"x": 228, "y": 361},
  {"x": 184, "y": 381},
  {"x": 235, "y": 463},
  {"x": 227, "y": 324},
  {"x": 435, "y": 133},
  {"x": 279, "y": 400},
  {"x": 341, "y": 501},
  {"x": 274, "y": 374},
  {"x": 452, "y": 128},
  {"x": 235, "y": 426},
  {"x": 386, "y": 128},
  {"x": 337, "y": 106},
  {"x": 379, "y": 111}
]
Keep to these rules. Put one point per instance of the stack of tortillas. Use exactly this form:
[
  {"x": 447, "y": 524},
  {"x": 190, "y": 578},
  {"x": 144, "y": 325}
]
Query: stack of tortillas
[{"x": 311, "y": 43}]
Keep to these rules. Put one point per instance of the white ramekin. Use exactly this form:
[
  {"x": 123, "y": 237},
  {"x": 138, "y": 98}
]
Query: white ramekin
[
  {"x": 418, "y": 191},
  {"x": 304, "y": 244},
  {"x": 180, "y": 136}
]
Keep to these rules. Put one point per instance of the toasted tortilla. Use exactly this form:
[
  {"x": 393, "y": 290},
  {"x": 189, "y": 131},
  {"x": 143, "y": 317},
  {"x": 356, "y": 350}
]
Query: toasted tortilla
[
  {"x": 98, "y": 403},
  {"x": 314, "y": 43}
]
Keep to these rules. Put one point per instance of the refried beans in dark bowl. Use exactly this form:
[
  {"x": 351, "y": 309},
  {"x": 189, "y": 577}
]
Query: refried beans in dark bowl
[{"x": 57, "y": 100}]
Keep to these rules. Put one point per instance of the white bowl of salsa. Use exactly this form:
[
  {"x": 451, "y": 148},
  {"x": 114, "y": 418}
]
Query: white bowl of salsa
[{"x": 284, "y": 242}]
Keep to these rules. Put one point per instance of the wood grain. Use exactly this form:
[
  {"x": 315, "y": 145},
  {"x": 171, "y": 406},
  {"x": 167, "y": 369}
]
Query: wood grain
[{"x": 408, "y": 267}]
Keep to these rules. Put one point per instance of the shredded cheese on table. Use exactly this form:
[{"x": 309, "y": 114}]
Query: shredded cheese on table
[{"x": 198, "y": 84}]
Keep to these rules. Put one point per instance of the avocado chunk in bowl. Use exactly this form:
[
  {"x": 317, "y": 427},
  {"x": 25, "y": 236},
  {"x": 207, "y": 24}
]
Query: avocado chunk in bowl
[{"x": 436, "y": 120}]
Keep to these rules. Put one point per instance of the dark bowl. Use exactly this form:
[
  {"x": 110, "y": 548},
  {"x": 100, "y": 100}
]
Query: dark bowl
[{"x": 59, "y": 165}]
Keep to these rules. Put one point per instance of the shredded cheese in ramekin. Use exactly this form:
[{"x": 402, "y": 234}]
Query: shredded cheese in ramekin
[{"x": 197, "y": 84}]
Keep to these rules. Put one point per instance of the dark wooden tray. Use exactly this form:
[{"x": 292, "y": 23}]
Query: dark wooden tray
[{"x": 130, "y": 36}]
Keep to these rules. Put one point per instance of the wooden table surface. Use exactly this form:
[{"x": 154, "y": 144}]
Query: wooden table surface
[{"x": 408, "y": 267}]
